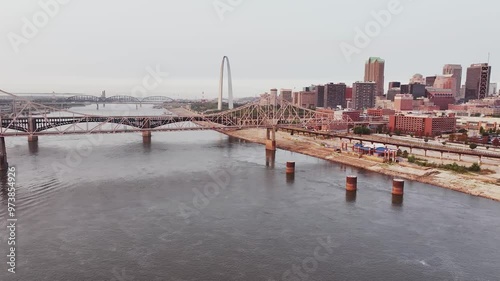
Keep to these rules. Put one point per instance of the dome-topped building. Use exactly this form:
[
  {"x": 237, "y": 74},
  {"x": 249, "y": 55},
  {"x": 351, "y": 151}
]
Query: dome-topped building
[{"x": 417, "y": 79}]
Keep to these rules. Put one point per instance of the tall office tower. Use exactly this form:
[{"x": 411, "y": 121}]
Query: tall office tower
[
  {"x": 320, "y": 95},
  {"x": 405, "y": 88},
  {"x": 286, "y": 95},
  {"x": 374, "y": 72},
  {"x": 348, "y": 93},
  {"x": 456, "y": 71},
  {"x": 447, "y": 81},
  {"x": 273, "y": 95},
  {"x": 363, "y": 94},
  {"x": 394, "y": 85},
  {"x": 493, "y": 89},
  {"x": 429, "y": 80},
  {"x": 478, "y": 81},
  {"x": 392, "y": 92},
  {"x": 417, "y": 79},
  {"x": 335, "y": 95}
]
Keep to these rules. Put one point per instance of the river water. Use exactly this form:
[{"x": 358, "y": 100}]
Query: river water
[{"x": 204, "y": 206}]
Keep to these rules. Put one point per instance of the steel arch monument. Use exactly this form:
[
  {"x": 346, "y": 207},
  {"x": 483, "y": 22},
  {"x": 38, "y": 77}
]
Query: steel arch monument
[{"x": 225, "y": 59}]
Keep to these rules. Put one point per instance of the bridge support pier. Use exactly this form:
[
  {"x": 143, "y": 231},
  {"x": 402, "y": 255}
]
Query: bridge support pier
[
  {"x": 32, "y": 138},
  {"x": 480, "y": 160},
  {"x": 351, "y": 183},
  {"x": 146, "y": 136},
  {"x": 270, "y": 158},
  {"x": 350, "y": 196},
  {"x": 271, "y": 139},
  {"x": 398, "y": 187},
  {"x": 97, "y": 106},
  {"x": 459, "y": 157},
  {"x": 290, "y": 167},
  {"x": 3, "y": 155}
]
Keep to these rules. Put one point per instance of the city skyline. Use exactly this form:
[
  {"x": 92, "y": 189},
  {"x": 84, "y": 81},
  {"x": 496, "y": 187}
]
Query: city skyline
[{"x": 71, "y": 54}]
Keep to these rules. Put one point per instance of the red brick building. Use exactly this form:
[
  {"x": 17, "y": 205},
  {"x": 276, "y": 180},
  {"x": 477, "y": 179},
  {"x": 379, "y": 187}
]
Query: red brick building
[
  {"x": 354, "y": 115},
  {"x": 403, "y": 102},
  {"x": 305, "y": 99},
  {"x": 379, "y": 112},
  {"x": 422, "y": 125},
  {"x": 441, "y": 97},
  {"x": 348, "y": 93}
]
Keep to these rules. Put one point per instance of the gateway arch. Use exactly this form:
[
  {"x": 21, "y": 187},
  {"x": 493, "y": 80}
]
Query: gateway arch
[{"x": 225, "y": 59}]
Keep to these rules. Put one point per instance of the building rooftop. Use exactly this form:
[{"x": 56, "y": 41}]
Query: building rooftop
[{"x": 375, "y": 59}]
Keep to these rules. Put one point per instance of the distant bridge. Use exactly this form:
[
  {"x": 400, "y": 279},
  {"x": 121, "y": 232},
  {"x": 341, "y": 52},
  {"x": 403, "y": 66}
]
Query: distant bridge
[{"x": 120, "y": 99}]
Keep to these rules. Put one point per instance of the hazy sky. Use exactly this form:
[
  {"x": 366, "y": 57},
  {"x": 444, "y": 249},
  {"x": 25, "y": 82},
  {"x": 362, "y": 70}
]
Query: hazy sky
[{"x": 90, "y": 45}]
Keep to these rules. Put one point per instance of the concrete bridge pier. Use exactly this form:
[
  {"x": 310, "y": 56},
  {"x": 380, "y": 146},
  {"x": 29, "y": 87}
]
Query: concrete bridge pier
[
  {"x": 480, "y": 160},
  {"x": 97, "y": 106},
  {"x": 33, "y": 148},
  {"x": 351, "y": 183},
  {"x": 398, "y": 187},
  {"x": 4, "y": 166},
  {"x": 136, "y": 106},
  {"x": 459, "y": 157},
  {"x": 32, "y": 139},
  {"x": 350, "y": 196},
  {"x": 146, "y": 136},
  {"x": 290, "y": 167},
  {"x": 271, "y": 139},
  {"x": 270, "y": 158}
]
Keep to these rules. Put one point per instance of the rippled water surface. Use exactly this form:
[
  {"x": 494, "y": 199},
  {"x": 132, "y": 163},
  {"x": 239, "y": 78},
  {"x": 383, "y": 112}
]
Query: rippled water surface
[{"x": 203, "y": 206}]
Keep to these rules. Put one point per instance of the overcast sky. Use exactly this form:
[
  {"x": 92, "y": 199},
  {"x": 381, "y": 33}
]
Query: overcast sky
[{"x": 90, "y": 45}]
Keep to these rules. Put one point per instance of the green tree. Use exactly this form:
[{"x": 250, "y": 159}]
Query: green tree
[
  {"x": 412, "y": 159},
  {"x": 444, "y": 143},
  {"x": 473, "y": 146},
  {"x": 475, "y": 168},
  {"x": 405, "y": 154}
]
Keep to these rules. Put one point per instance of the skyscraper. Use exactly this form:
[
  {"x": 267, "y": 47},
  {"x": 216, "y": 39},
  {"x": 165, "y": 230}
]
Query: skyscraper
[
  {"x": 335, "y": 95},
  {"x": 456, "y": 71},
  {"x": 374, "y": 72},
  {"x": 478, "y": 81},
  {"x": 363, "y": 94}
]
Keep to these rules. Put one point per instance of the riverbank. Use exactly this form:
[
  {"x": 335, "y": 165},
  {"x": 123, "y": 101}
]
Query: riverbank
[{"x": 487, "y": 186}]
